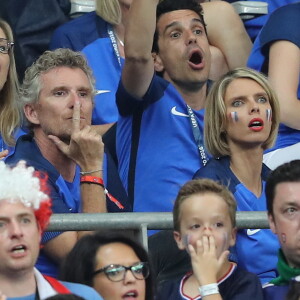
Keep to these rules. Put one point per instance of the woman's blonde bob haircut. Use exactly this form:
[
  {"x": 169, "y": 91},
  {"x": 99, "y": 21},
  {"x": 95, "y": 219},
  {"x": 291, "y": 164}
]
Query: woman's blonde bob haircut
[
  {"x": 109, "y": 10},
  {"x": 215, "y": 111}
]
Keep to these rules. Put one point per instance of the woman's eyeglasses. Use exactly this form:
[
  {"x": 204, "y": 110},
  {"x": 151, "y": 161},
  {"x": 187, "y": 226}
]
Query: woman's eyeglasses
[
  {"x": 117, "y": 272},
  {"x": 5, "y": 45}
]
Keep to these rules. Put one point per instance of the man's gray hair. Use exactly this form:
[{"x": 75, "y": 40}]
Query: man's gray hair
[{"x": 32, "y": 84}]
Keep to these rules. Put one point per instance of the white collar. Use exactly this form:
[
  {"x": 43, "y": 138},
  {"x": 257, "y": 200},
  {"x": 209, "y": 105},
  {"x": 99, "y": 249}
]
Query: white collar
[{"x": 44, "y": 288}]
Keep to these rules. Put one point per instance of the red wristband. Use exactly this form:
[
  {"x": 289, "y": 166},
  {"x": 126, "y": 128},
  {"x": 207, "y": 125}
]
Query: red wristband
[
  {"x": 99, "y": 181},
  {"x": 92, "y": 179}
]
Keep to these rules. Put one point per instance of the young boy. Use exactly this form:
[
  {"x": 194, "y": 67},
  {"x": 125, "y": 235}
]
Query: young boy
[{"x": 205, "y": 226}]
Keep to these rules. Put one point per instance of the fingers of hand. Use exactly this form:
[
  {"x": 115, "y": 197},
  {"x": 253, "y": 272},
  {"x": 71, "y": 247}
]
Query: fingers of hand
[
  {"x": 86, "y": 148},
  {"x": 206, "y": 243},
  {"x": 200, "y": 246},
  {"x": 59, "y": 144},
  {"x": 212, "y": 245},
  {"x": 223, "y": 257},
  {"x": 3, "y": 154},
  {"x": 76, "y": 116},
  {"x": 88, "y": 136}
]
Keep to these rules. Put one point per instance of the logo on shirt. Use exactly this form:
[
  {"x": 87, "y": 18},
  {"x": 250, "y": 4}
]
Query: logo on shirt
[
  {"x": 178, "y": 113},
  {"x": 98, "y": 92},
  {"x": 252, "y": 231}
]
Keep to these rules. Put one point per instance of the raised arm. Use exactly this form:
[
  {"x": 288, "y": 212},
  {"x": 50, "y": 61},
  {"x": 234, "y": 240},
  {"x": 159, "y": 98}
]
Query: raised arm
[
  {"x": 284, "y": 70},
  {"x": 139, "y": 66},
  {"x": 226, "y": 31}
]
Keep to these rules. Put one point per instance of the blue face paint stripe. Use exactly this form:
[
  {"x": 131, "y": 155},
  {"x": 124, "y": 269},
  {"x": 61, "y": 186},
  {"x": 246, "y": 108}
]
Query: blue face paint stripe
[
  {"x": 269, "y": 114},
  {"x": 186, "y": 242},
  {"x": 234, "y": 116}
]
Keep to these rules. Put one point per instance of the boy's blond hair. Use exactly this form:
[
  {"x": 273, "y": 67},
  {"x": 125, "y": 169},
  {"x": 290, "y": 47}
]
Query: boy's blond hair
[{"x": 203, "y": 186}]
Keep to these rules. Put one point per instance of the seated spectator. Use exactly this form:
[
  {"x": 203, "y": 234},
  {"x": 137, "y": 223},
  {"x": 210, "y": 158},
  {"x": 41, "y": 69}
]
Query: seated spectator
[
  {"x": 283, "y": 202},
  {"x": 204, "y": 226},
  {"x": 9, "y": 113},
  {"x": 103, "y": 32},
  {"x": 103, "y": 261},
  {"x": 57, "y": 98},
  {"x": 25, "y": 210},
  {"x": 241, "y": 121},
  {"x": 276, "y": 53}
]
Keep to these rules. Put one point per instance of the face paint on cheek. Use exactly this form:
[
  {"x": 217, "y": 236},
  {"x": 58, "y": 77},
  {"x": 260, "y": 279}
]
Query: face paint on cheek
[
  {"x": 283, "y": 238},
  {"x": 269, "y": 114},
  {"x": 225, "y": 242},
  {"x": 234, "y": 116},
  {"x": 186, "y": 242}
]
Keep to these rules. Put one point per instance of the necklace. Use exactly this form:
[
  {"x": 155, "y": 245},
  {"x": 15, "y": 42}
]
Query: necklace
[{"x": 120, "y": 41}]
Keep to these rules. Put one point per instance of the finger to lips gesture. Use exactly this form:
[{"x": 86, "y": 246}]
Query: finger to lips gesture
[
  {"x": 205, "y": 262},
  {"x": 85, "y": 147}
]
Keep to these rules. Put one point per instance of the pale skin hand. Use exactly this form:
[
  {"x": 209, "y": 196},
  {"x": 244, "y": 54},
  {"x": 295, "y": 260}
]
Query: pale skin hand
[
  {"x": 284, "y": 70},
  {"x": 204, "y": 257},
  {"x": 3, "y": 154},
  {"x": 86, "y": 147},
  {"x": 139, "y": 66},
  {"x": 226, "y": 32}
]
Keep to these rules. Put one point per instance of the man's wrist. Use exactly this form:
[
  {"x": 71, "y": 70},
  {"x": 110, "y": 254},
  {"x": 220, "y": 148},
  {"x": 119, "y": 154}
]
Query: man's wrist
[
  {"x": 90, "y": 172},
  {"x": 92, "y": 179}
]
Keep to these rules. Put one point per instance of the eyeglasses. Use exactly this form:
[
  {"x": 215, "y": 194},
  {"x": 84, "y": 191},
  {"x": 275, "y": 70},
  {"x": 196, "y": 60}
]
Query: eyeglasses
[
  {"x": 117, "y": 272},
  {"x": 5, "y": 45}
]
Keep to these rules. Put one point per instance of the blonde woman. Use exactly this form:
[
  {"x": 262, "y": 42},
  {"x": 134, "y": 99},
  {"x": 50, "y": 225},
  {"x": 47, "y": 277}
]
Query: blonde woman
[
  {"x": 9, "y": 113},
  {"x": 241, "y": 121}
]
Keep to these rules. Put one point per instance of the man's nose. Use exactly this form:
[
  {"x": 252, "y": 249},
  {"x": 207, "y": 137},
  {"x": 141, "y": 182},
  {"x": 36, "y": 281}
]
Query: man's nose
[
  {"x": 191, "y": 38},
  {"x": 74, "y": 97},
  {"x": 16, "y": 229}
]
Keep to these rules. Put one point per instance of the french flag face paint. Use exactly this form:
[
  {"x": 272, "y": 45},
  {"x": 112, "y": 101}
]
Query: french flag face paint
[
  {"x": 186, "y": 242},
  {"x": 269, "y": 114},
  {"x": 225, "y": 241},
  {"x": 283, "y": 238},
  {"x": 234, "y": 116}
]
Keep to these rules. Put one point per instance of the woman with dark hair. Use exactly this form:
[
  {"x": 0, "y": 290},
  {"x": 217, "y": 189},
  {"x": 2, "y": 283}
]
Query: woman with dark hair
[{"x": 102, "y": 260}]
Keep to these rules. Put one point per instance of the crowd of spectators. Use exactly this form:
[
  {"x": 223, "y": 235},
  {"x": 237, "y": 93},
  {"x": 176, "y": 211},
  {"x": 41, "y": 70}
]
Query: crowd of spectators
[{"x": 129, "y": 107}]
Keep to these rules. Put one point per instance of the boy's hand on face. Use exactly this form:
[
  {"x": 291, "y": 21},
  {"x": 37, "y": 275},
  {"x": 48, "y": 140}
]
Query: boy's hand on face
[{"x": 206, "y": 265}]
